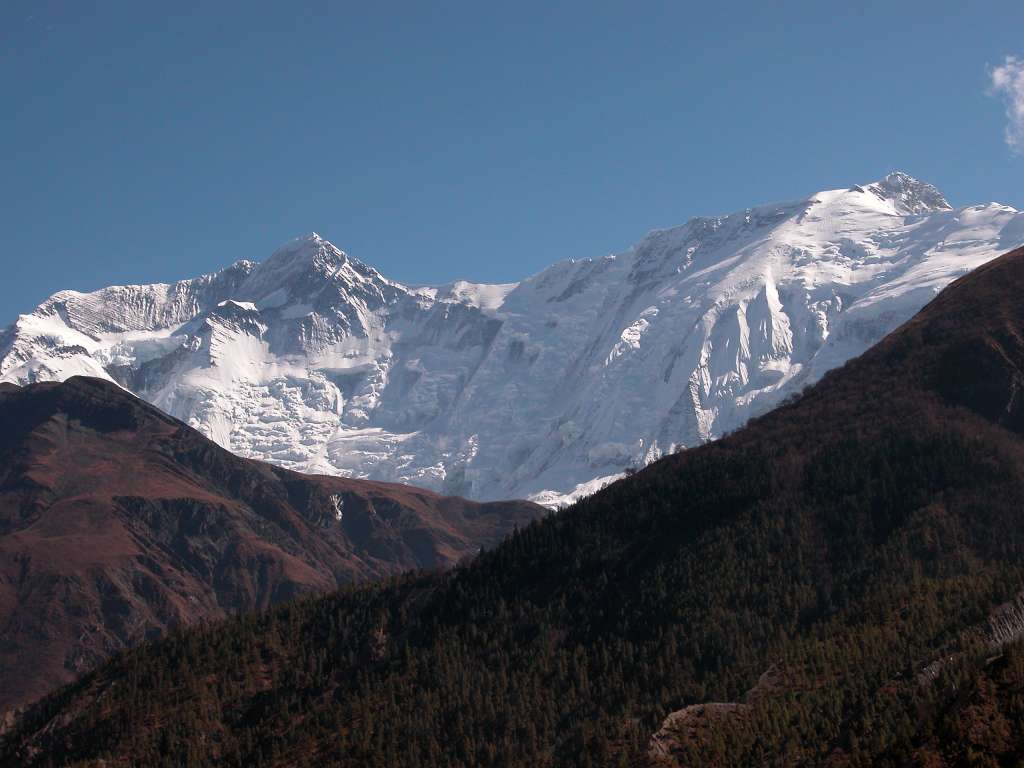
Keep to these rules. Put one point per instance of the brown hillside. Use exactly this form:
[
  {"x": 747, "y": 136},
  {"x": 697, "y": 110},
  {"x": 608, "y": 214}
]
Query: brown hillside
[{"x": 118, "y": 522}]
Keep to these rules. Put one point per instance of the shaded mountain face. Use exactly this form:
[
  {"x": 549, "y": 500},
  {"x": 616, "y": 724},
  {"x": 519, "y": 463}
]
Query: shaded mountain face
[
  {"x": 118, "y": 523},
  {"x": 838, "y": 583},
  {"x": 314, "y": 361}
]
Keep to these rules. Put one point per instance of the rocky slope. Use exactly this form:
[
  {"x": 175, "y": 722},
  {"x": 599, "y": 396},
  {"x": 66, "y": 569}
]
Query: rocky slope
[
  {"x": 118, "y": 523},
  {"x": 314, "y": 361},
  {"x": 838, "y": 583}
]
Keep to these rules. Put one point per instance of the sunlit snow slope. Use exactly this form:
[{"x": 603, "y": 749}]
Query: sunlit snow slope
[{"x": 313, "y": 360}]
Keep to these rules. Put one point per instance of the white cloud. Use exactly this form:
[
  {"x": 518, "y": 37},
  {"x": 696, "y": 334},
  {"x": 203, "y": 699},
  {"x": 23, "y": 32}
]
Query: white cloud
[{"x": 1008, "y": 82}]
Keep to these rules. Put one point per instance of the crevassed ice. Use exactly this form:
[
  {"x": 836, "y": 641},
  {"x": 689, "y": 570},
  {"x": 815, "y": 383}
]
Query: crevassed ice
[{"x": 547, "y": 388}]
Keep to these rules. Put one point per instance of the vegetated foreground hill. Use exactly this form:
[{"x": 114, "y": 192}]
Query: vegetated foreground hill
[
  {"x": 118, "y": 522},
  {"x": 836, "y": 584}
]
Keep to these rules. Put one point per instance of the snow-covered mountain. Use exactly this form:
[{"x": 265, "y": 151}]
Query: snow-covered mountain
[{"x": 544, "y": 388}]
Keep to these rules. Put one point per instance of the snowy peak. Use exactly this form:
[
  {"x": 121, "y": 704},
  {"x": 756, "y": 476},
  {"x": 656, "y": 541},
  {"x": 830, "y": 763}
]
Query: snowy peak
[
  {"x": 909, "y": 196},
  {"x": 307, "y": 252},
  {"x": 667, "y": 251},
  {"x": 313, "y": 360},
  {"x": 319, "y": 291},
  {"x": 304, "y": 266}
]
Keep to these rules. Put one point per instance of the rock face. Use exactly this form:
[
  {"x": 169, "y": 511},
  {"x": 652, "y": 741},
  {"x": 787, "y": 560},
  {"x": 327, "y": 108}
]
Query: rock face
[
  {"x": 314, "y": 361},
  {"x": 118, "y": 523}
]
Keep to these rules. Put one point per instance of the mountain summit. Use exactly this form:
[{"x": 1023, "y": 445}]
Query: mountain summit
[
  {"x": 909, "y": 196},
  {"x": 546, "y": 388}
]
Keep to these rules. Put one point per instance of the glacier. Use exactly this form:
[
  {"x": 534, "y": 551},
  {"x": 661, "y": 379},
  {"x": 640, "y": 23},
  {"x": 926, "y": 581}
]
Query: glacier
[{"x": 544, "y": 389}]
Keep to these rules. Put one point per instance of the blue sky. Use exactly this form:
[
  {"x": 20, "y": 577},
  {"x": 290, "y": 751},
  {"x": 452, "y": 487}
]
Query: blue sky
[{"x": 476, "y": 140}]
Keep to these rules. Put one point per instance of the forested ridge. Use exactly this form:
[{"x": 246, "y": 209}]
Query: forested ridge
[{"x": 826, "y": 577}]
